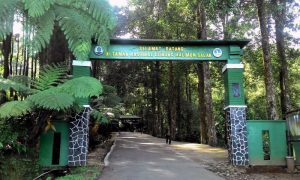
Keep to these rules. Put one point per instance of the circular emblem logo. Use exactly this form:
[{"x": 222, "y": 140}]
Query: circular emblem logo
[
  {"x": 98, "y": 50},
  {"x": 217, "y": 52}
]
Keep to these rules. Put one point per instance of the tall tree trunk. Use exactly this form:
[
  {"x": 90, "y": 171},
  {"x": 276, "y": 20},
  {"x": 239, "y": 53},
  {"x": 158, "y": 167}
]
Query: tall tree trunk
[
  {"x": 159, "y": 96},
  {"x": 189, "y": 100},
  {"x": 153, "y": 99},
  {"x": 203, "y": 124},
  {"x": 280, "y": 20},
  {"x": 18, "y": 52},
  {"x": 35, "y": 67},
  {"x": 178, "y": 108},
  {"x": 24, "y": 60},
  {"x": 206, "y": 85},
  {"x": 270, "y": 90},
  {"x": 57, "y": 51},
  {"x": 11, "y": 56},
  {"x": 172, "y": 102},
  {"x": 212, "y": 137},
  {"x": 6, "y": 49}
]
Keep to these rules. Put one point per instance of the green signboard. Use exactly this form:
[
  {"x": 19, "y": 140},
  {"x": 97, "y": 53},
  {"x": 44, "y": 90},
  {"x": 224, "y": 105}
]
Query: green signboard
[
  {"x": 165, "y": 50},
  {"x": 134, "y": 52}
]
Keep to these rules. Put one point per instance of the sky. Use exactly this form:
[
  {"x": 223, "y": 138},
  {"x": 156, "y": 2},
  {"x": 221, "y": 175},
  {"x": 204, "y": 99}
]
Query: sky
[{"x": 119, "y": 3}]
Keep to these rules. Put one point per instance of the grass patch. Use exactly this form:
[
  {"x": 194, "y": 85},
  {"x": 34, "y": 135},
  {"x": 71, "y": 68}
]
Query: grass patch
[{"x": 82, "y": 173}]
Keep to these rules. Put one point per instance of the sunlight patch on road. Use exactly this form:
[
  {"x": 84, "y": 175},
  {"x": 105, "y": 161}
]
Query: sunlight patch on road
[
  {"x": 128, "y": 137},
  {"x": 152, "y": 163},
  {"x": 124, "y": 163},
  {"x": 169, "y": 159},
  {"x": 148, "y": 143},
  {"x": 164, "y": 172},
  {"x": 219, "y": 152},
  {"x": 151, "y": 143}
]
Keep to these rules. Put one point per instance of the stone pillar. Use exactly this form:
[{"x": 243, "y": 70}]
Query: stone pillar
[
  {"x": 79, "y": 136},
  {"x": 235, "y": 109},
  {"x": 79, "y": 130},
  {"x": 237, "y": 135}
]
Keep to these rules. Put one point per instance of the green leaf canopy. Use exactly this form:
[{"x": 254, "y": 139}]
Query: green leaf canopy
[
  {"x": 7, "y": 84},
  {"x": 82, "y": 87},
  {"x": 79, "y": 20},
  {"x": 52, "y": 99},
  {"x": 14, "y": 109}
]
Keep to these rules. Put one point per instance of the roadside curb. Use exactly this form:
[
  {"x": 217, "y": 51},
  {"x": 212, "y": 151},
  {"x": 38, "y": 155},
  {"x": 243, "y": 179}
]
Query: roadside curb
[{"x": 106, "y": 161}]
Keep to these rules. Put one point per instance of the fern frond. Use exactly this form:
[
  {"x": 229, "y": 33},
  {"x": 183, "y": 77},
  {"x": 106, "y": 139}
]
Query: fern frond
[
  {"x": 50, "y": 76},
  {"x": 76, "y": 30},
  {"x": 7, "y": 11},
  {"x": 14, "y": 109},
  {"x": 25, "y": 80},
  {"x": 82, "y": 87},
  {"x": 99, "y": 117},
  {"x": 94, "y": 18},
  {"x": 44, "y": 30},
  {"x": 7, "y": 84},
  {"x": 105, "y": 18},
  {"x": 107, "y": 89},
  {"x": 37, "y": 7},
  {"x": 52, "y": 99}
]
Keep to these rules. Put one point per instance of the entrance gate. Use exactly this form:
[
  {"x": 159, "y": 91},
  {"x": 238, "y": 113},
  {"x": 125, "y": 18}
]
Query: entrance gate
[{"x": 166, "y": 50}]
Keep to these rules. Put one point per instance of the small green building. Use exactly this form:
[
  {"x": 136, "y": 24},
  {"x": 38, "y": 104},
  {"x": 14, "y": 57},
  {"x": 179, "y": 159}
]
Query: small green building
[{"x": 54, "y": 145}]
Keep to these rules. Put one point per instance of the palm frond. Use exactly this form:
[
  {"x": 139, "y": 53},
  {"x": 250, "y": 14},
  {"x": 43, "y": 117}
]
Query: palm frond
[
  {"x": 52, "y": 99},
  {"x": 7, "y": 11},
  {"x": 37, "y": 7},
  {"x": 14, "y": 109},
  {"x": 82, "y": 87},
  {"x": 50, "y": 76}
]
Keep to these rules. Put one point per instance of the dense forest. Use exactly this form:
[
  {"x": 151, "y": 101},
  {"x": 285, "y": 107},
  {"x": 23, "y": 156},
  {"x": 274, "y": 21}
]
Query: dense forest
[{"x": 187, "y": 97}]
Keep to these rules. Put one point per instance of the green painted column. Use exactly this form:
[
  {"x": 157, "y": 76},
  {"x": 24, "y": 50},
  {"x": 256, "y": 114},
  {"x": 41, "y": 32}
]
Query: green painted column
[
  {"x": 82, "y": 68},
  {"x": 235, "y": 108}
]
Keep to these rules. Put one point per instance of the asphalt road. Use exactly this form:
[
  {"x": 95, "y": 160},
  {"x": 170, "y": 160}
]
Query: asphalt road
[{"x": 143, "y": 157}]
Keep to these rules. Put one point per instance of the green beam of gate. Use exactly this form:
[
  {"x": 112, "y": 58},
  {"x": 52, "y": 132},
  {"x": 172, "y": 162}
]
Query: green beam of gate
[{"x": 125, "y": 49}]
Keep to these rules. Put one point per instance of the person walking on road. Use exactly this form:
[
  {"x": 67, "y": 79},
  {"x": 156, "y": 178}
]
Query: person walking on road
[{"x": 168, "y": 137}]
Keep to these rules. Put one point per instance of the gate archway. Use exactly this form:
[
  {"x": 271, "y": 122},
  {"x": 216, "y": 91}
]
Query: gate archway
[{"x": 166, "y": 50}]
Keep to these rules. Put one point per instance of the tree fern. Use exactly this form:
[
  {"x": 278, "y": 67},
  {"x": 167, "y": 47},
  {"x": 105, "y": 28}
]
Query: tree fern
[
  {"x": 44, "y": 31},
  {"x": 14, "y": 109},
  {"x": 7, "y": 11},
  {"x": 25, "y": 80},
  {"x": 37, "y": 7},
  {"x": 82, "y": 87},
  {"x": 7, "y": 84},
  {"x": 50, "y": 76},
  {"x": 52, "y": 99},
  {"x": 79, "y": 20},
  {"x": 75, "y": 27}
]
